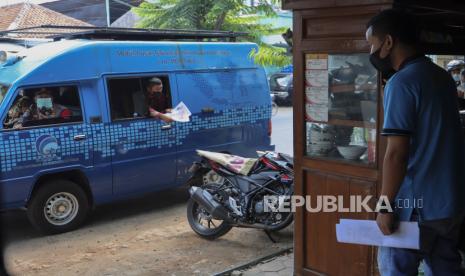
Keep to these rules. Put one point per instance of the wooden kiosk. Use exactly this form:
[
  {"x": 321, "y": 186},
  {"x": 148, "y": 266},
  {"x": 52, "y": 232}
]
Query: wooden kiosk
[{"x": 338, "y": 116}]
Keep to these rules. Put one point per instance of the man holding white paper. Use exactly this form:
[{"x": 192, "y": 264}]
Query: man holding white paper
[
  {"x": 424, "y": 161},
  {"x": 156, "y": 101}
]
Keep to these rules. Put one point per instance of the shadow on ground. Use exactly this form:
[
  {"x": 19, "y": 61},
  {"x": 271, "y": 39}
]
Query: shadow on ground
[{"x": 16, "y": 226}]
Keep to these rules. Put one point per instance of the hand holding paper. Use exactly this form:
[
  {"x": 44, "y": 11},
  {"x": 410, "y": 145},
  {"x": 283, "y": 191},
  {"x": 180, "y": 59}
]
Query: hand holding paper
[
  {"x": 153, "y": 112},
  {"x": 367, "y": 232},
  {"x": 180, "y": 113}
]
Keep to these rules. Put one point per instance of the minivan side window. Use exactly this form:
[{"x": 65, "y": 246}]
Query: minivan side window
[
  {"x": 134, "y": 97},
  {"x": 44, "y": 106}
]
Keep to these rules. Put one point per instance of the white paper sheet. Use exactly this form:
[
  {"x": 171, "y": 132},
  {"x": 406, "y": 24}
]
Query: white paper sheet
[
  {"x": 317, "y": 78},
  {"x": 316, "y": 61},
  {"x": 367, "y": 232},
  {"x": 316, "y": 112},
  {"x": 317, "y": 95},
  {"x": 320, "y": 64},
  {"x": 180, "y": 113}
]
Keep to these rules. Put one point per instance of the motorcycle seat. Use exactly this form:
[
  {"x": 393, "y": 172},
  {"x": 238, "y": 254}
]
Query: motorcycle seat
[{"x": 234, "y": 163}]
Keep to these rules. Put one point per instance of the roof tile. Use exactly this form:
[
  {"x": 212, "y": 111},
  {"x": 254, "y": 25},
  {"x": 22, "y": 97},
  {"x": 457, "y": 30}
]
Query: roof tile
[{"x": 26, "y": 15}]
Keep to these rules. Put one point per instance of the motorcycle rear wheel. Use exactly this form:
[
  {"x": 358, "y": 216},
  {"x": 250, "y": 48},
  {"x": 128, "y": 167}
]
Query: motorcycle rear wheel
[{"x": 194, "y": 211}]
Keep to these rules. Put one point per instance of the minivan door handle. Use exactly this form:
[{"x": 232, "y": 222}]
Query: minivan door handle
[
  {"x": 208, "y": 110},
  {"x": 79, "y": 137},
  {"x": 166, "y": 127}
]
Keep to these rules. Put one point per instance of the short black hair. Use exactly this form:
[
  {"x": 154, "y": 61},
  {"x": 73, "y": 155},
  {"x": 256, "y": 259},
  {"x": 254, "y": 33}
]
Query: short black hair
[
  {"x": 155, "y": 80},
  {"x": 399, "y": 24}
]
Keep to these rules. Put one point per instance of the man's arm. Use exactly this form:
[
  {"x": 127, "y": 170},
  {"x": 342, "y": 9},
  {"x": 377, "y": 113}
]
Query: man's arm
[
  {"x": 165, "y": 118},
  {"x": 395, "y": 165},
  {"x": 394, "y": 171},
  {"x": 155, "y": 114}
]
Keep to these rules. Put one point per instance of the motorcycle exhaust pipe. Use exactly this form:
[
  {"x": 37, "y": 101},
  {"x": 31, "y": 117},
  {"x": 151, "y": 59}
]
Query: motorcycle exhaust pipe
[{"x": 206, "y": 200}]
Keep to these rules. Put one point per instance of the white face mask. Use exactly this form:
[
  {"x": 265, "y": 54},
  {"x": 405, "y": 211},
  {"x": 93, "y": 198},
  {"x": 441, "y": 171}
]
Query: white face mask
[
  {"x": 44, "y": 103},
  {"x": 456, "y": 77}
]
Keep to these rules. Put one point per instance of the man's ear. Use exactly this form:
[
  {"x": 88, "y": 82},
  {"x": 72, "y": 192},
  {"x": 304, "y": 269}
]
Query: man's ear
[{"x": 389, "y": 44}]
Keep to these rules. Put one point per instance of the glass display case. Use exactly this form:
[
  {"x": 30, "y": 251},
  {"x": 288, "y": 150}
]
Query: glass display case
[{"x": 341, "y": 96}]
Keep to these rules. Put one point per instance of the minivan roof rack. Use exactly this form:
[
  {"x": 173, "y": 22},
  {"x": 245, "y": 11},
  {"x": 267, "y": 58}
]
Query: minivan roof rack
[
  {"x": 25, "y": 42},
  {"x": 110, "y": 33}
]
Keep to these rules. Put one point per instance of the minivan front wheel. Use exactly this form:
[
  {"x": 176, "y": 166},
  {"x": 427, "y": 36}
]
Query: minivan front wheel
[{"x": 57, "y": 207}]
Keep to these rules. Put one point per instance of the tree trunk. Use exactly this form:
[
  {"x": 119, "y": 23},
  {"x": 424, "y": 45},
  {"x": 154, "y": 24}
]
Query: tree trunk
[{"x": 220, "y": 21}]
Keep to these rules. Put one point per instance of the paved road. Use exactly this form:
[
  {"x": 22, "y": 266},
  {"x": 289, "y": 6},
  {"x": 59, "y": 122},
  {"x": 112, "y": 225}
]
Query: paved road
[
  {"x": 282, "y": 135},
  {"x": 148, "y": 236}
]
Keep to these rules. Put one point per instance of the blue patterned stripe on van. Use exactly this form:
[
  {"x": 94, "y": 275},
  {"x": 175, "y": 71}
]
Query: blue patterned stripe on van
[{"x": 19, "y": 149}]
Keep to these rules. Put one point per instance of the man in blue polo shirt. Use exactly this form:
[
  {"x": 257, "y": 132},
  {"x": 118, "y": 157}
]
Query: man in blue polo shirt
[{"x": 424, "y": 165}]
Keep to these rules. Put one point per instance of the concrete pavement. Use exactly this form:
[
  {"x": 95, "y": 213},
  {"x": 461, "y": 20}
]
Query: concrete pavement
[{"x": 278, "y": 266}]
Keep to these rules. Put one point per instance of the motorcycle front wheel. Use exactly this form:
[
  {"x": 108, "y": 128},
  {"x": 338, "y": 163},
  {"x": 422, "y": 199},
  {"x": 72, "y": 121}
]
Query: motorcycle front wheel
[
  {"x": 284, "y": 223},
  {"x": 285, "y": 218}
]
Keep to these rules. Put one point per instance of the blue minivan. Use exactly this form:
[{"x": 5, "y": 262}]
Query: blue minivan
[{"x": 96, "y": 144}]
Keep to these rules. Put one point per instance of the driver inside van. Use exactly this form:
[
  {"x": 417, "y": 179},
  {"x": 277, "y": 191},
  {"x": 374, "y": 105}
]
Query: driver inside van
[
  {"x": 156, "y": 100},
  {"x": 19, "y": 113},
  {"x": 47, "y": 108}
]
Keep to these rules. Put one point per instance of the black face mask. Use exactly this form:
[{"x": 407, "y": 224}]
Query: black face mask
[
  {"x": 155, "y": 95},
  {"x": 383, "y": 65}
]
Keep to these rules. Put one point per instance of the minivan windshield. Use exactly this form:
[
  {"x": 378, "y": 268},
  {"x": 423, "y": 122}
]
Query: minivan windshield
[{"x": 3, "y": 89}]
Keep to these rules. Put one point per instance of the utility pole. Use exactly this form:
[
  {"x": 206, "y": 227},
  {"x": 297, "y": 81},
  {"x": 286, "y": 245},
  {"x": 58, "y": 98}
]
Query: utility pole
[{"x": 107, "y": 6}]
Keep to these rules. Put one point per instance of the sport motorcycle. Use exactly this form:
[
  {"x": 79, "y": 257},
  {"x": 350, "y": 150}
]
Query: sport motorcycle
[{"x": 231, "y": 191}]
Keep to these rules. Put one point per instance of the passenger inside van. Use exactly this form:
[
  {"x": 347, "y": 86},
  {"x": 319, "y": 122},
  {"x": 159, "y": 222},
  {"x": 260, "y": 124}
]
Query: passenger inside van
[
  {"x": 18, "y": 113},
  {"x": 44, "y": 106},
  {"x": 156, "y": 100}
]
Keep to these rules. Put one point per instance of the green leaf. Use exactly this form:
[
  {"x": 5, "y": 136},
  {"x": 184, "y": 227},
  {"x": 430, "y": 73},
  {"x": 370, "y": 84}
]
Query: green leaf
[{"x": 230, "y": 15}]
